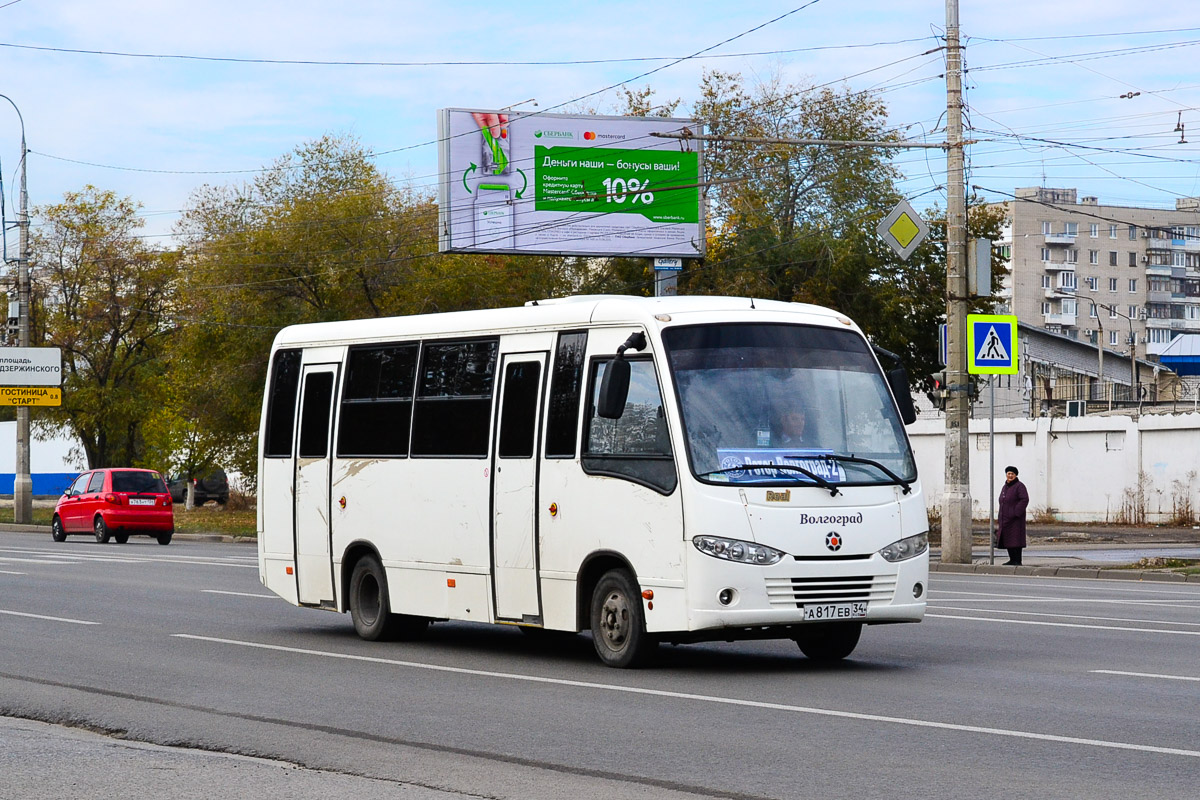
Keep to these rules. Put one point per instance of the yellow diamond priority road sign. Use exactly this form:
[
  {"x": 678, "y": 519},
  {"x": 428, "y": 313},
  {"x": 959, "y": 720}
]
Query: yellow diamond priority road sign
[{"x": 903, "y": 229}]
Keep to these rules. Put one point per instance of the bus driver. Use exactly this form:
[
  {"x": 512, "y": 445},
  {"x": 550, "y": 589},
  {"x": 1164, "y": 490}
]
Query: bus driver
[{"x": 792, "y": 428}]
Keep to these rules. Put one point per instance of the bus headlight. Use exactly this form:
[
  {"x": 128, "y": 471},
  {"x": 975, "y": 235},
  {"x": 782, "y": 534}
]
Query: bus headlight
[
  {"x": 737, "y": 550},
  {"x": 906, "y": 548}
]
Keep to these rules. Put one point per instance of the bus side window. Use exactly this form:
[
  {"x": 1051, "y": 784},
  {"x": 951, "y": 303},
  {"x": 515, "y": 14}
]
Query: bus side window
[
  {"x": 281, "y": 408},
  {"x": 566, "y": 387},
  {"x": 377, "y": 402},
  {"x": 314, "y": 418},
  {"x": 452, "y": 414},
  {"x": 637, "y": 446}
]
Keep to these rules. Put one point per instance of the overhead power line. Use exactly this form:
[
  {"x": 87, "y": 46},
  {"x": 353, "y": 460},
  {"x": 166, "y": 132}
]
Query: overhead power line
[{"x": 309, "y": 62}]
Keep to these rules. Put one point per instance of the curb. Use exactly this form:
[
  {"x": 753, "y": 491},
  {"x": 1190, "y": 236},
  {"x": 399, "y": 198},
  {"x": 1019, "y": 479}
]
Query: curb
[
  {"x": 12, "y": 527},
  {"x": 1067, "y": 572}
]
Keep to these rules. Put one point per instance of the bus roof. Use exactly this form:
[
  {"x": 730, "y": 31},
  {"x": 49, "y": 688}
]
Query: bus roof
[{"x": 561, "y": 312}]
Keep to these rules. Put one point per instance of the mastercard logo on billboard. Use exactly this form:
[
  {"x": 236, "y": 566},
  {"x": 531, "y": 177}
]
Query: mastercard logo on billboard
[{"x": 589, "y": 135}]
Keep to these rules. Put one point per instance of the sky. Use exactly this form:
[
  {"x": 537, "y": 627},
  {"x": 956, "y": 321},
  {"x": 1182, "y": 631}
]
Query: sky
[{"x": 155, "y": 98}]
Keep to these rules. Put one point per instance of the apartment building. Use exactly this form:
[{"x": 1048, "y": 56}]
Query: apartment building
[{"x": 1118, "y": 277}]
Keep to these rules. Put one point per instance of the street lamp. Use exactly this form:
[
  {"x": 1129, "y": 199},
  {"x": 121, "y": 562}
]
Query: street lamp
[
  {"x": 1134, "y": 382},
  {"x": 1134, "y": 378},
  {"x": 23, "y": 482},
  {"x": 1099, "y": 345}
]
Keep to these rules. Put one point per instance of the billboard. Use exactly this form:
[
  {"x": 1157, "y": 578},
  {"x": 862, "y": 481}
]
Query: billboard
[{"x": 563, "y": 184}]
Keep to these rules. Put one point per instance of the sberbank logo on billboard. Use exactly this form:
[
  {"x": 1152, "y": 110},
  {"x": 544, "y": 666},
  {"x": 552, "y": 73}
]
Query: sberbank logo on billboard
[{"x": 553, "y": 135}]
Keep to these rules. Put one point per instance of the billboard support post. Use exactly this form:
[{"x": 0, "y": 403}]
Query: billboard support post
[{"x": 666, "y": 271}]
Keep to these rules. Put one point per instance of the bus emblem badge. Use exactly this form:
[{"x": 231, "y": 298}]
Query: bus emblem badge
[{"x": 833, "y": 540}]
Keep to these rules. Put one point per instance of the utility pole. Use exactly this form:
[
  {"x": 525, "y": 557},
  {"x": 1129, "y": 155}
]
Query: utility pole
[
  {"x": 956, "y": 503},
  {"x": 23, "y": 481}
]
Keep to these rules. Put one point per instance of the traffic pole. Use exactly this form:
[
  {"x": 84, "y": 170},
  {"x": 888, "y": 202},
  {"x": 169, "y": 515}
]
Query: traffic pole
[{"x": 956, "y": 503}]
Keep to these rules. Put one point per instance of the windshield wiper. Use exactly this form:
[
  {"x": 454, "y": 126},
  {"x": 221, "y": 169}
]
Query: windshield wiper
[
  {"x": 906, "y": 485},
  {"x": 824, "y": 484}
]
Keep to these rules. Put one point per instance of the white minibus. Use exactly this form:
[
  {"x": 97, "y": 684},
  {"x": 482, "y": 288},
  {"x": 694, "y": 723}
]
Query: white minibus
[{"x": 674, "y": 469}]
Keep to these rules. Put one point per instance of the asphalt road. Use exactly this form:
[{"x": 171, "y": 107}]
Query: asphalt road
[{"x": 1013, "y": 687}]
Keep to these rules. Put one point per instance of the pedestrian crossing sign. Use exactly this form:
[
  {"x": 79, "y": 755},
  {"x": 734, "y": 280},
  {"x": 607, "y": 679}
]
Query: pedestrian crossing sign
[{"x": 991, "y": 344}]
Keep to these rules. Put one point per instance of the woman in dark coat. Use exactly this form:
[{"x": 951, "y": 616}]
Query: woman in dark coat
[{"x": 1010, "y": 526}]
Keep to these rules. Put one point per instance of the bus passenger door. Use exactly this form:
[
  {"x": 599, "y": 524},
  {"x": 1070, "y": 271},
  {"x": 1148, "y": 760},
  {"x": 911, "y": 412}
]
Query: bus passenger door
[
  {"x": 314, "y": 568},
  {"x": 514, "y": 488}
]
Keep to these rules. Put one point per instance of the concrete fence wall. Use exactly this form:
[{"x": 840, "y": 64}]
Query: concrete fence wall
[
  {"x": 51, "y": 464},
  {"x": 1078, "y": 469}
]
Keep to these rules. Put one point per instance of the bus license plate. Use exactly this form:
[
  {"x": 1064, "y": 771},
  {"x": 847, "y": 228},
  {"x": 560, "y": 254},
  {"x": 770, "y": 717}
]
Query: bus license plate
[
  {"x": 141, "y": 501},
  {"x": 835, "y": 611}
]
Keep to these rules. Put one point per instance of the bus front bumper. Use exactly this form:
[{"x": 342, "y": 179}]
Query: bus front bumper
[{"x": 743, "y": 596}]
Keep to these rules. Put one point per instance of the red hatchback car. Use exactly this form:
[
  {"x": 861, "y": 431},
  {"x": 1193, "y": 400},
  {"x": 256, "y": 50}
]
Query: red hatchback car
[{"x": 113, "y": 503}]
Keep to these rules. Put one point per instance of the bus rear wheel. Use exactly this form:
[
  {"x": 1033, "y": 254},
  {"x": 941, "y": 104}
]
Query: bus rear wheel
[
  {"x": 618, "y": 623},
  {"x": 830, "y": 641},
  {"x": 370, "y": 606}
]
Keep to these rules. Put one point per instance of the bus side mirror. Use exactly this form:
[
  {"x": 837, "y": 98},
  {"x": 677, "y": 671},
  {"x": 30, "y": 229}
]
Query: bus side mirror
[
  {"x": 614, "y": 389},
  {"x": 897, "y": 379}
]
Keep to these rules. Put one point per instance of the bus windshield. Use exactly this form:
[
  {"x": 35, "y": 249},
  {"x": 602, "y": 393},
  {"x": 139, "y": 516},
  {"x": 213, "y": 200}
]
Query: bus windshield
[{"x": 786, "y": 404}]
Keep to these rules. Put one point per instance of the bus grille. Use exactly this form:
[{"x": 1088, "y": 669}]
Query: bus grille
[{"x": 798, "y": 592}]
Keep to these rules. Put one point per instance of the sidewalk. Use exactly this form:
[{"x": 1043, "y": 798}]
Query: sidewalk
[{"x": 1086, "y": 551}]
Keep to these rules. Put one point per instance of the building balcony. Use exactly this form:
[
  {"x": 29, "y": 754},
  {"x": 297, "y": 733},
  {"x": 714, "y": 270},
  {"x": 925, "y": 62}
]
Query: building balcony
[
  {"x": 1060, "y": 319},
  {"x": 1058, "y": 266},
  {"x": 1060, "y": 238},
  {"x": 1158, "y": 297},
  {"x": 1056, "y": 292}
]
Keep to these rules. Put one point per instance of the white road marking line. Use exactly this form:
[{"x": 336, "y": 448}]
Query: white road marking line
[
  {"x": 10, "y": 572},
  {"x": 1068, "y": 625},
  {"x": 729, "y": 701},
  {"x": 979, "y": 597},
  {"x": 52, "y": 619},
  {"x": 1106, "y": 585},
  {"x": 988, "y": 594},
  {"x": 8, "y": 560},
  {"x": 1187, "y": 604},
  {"x": 77, "y": 557},
  {"x": 1144, "y": 675},
  {"x": 1071, "y": 616},
  {"x": 241, "y": 594}
]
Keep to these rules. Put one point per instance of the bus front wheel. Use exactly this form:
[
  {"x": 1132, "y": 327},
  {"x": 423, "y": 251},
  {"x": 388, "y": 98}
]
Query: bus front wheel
[
  {"x": 831, "y": 641},
  {"x": 618, "y": 623}
]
